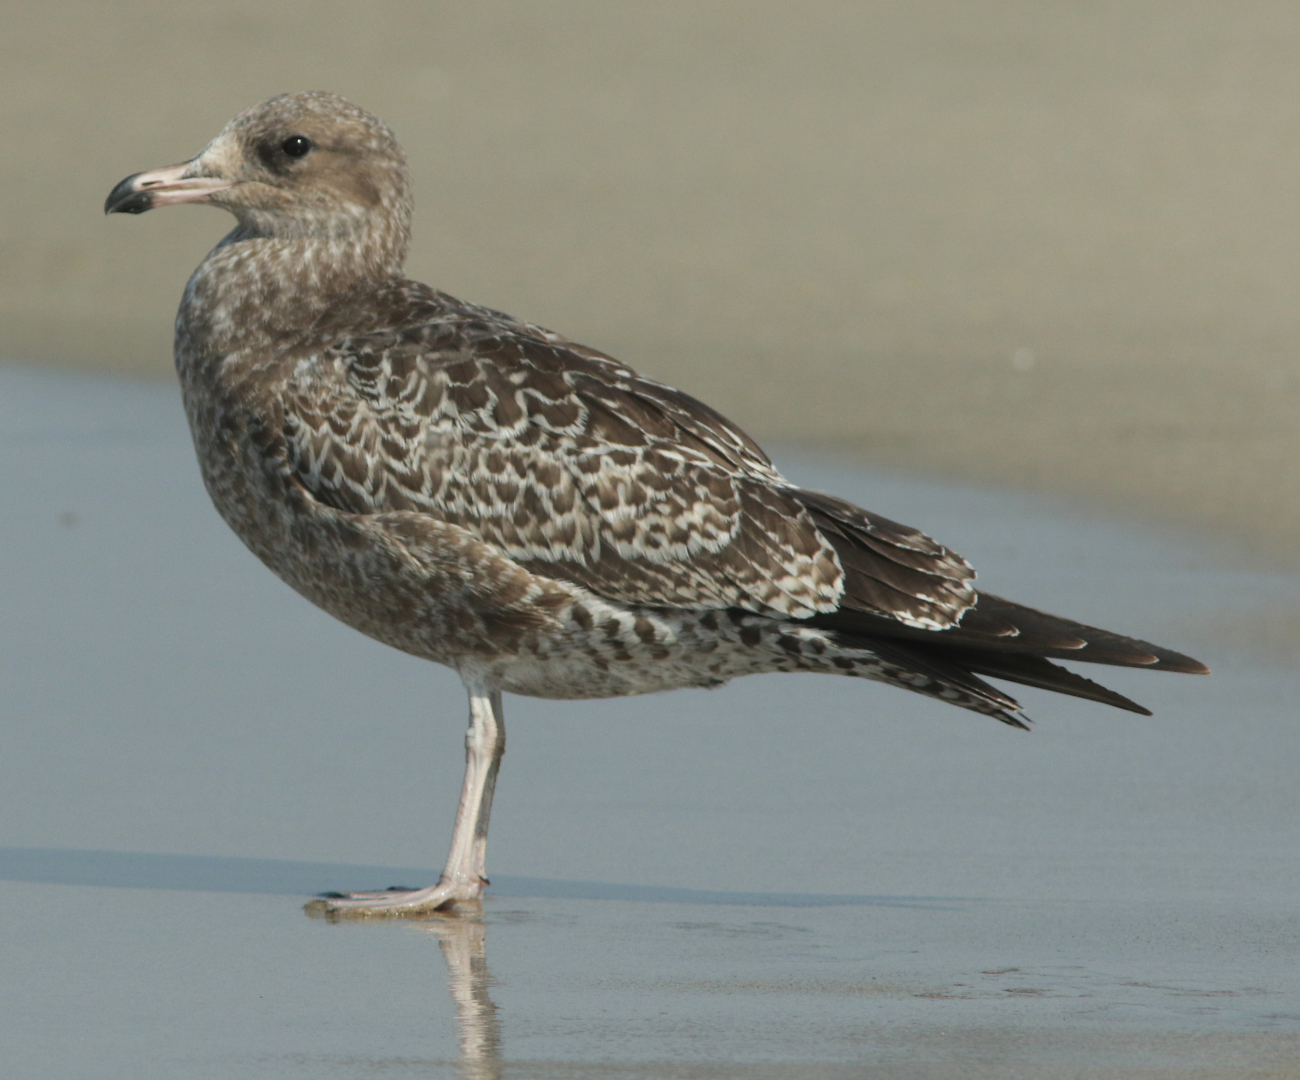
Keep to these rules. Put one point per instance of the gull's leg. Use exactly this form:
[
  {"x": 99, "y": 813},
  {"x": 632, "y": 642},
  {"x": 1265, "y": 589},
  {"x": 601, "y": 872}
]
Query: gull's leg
[
  {"x": 485, "y": 744},
  {"x": 463, "y": 878}
]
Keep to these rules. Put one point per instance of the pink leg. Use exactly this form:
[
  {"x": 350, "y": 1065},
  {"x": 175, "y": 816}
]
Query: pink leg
[{"x": 464, "y": 876}]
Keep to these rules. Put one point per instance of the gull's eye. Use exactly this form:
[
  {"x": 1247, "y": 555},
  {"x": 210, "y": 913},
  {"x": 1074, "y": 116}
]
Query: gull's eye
[{"x": 296, "y": 146}]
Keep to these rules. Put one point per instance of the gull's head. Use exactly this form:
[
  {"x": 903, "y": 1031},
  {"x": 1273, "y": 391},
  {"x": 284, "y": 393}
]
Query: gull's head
[{"x": 305, "y": 165}]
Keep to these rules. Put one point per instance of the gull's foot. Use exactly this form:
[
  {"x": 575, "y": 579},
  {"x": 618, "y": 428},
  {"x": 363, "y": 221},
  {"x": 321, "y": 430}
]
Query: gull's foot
[{"x": 395, "y": 902}]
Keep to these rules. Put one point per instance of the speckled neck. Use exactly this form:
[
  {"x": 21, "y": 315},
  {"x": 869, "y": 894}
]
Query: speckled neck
[{"x": 255, "y": 292}]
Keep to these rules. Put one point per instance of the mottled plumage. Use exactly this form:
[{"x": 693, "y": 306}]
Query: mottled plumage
[{"x": 489, "y": 495}]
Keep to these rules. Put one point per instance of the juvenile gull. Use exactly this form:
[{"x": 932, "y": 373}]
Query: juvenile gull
[{"x": 486, "y": 494}]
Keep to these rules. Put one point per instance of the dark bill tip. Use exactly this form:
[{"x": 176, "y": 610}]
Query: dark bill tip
[{"x": 125, "y": 199}]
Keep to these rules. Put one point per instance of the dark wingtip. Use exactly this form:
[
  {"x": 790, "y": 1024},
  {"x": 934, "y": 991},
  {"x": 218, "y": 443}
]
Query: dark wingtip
[
  {"x": 124, "y": 199},
  {"x": 1168, "y": 660},
  {"x": 1119, "y": 701}
]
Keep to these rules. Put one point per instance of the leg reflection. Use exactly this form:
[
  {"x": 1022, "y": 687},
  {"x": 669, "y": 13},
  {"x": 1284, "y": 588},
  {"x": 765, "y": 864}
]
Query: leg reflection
[{"x": 462, "y": 939}]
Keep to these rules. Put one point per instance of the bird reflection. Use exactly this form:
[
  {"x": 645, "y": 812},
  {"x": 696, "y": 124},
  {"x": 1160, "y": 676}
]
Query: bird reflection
[{"x": 461, "y": 936}]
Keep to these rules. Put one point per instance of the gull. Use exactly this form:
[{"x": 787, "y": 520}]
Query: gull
[{"x": 486, "y": 494}]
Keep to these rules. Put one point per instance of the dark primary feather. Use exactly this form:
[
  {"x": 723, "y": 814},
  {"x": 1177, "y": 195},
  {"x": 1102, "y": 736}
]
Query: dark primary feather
[
  {"x": 998, "y": 627},
  {"x": 1008, "y": 641}
]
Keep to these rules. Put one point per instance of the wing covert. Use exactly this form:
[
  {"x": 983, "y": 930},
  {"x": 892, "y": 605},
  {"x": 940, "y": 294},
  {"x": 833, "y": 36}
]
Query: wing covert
[{"x": 578, "y": 468}]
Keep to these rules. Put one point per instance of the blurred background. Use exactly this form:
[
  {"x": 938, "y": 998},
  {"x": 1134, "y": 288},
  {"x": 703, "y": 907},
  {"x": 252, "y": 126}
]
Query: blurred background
[{"x": 1054, "y": 246}]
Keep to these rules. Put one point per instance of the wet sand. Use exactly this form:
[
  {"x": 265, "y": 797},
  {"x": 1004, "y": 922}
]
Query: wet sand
[
  {"x": 790, "y": 877},
  {"x": 1053, "y": 247}
]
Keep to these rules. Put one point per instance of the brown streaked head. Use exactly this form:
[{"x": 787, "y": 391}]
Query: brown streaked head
[{"x": 307, "y": 164}]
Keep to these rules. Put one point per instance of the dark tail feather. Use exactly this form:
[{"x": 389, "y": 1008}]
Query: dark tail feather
[
  {"x": 1042, "y": 673},
  {"x": 947, "y": 674},
  {"x": 997, "y": 627}
]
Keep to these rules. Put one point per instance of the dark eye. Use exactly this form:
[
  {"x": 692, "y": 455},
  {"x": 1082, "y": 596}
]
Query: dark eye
[{"x": 296, "y": 146}]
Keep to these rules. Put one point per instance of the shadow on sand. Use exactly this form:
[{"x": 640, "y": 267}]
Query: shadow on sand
[{"x": 284, "y": 877}]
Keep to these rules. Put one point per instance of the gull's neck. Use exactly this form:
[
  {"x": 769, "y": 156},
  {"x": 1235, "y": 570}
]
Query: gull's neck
[{"x": 262, "y": 294}]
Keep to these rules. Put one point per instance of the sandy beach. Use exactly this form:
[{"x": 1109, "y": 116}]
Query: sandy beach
[{"x": 1045, "y": 246}]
